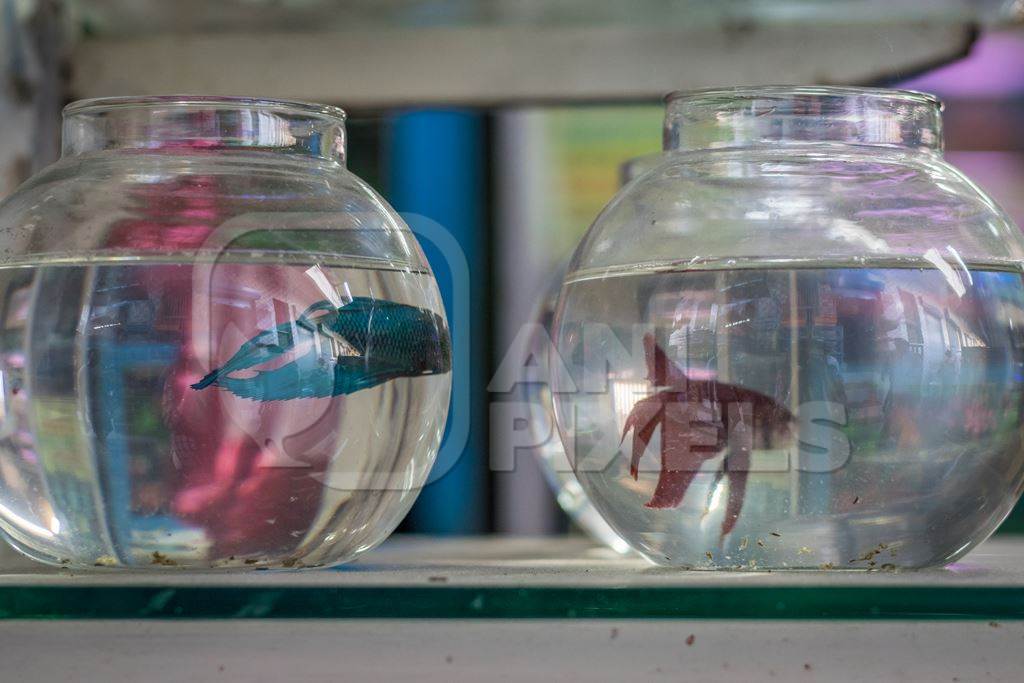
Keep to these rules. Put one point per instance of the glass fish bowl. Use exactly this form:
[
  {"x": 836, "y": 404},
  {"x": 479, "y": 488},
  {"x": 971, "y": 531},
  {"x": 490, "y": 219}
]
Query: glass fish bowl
[
  {"x": 551, "y": 456},
  {"x": 554, "y": 464},
  {"x": 219, "y": 348},
  {"x": 797, "y": 341}
]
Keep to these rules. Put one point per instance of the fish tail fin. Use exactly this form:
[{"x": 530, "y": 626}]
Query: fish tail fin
[{"x": 207, "y": 381}]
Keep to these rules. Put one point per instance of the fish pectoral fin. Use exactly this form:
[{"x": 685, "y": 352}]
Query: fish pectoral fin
[
  {"x": 305, "y": 320},
  {"x": 340, "y": 346}
]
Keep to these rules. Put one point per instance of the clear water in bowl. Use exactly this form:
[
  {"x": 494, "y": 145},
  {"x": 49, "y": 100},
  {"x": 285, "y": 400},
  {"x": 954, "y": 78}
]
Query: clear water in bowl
[
  {"x": 810, "y": 415},
  {"x": 121, "y": 444}
]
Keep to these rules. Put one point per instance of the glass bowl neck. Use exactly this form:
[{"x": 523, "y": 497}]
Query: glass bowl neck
[
  {"x": 755, "y": 116},
  {"x": 193, "y": 124}
]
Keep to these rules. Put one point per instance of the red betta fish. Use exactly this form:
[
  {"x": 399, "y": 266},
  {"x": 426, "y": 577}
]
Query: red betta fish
[{"x": 699, "y": 418}]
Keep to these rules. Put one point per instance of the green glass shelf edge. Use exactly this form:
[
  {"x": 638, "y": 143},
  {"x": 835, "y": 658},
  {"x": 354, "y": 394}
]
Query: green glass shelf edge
[{"x": 455, "y": 602}]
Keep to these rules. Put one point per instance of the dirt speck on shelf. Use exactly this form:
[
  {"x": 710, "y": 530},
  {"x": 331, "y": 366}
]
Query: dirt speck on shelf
[{"x": 160, "y": 558}]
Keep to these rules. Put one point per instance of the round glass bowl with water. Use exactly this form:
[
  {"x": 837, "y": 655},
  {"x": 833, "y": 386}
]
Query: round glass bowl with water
[
  {"x": 797, "y": 341},
  {"x": 219, "y": 347}
]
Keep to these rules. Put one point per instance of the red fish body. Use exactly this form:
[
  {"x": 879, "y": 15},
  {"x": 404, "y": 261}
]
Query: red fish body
[{"x": 699, "y": 418}]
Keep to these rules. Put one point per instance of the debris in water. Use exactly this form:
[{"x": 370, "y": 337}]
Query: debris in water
[{"x": 160, "y": 558}]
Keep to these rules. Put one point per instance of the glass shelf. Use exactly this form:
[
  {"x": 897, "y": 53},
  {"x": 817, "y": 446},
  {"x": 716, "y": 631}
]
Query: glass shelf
[{"x": 417, "y": 577}]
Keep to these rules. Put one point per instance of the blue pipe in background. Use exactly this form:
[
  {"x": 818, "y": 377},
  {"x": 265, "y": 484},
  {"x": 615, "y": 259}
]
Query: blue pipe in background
[{"x": 436, "y": 169}]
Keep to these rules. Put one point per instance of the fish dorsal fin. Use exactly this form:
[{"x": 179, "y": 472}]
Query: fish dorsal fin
[
  {"x": 661, "y": 370},
  {"x": 358, "y": 305},
  {"x": 365, "y": 304}
]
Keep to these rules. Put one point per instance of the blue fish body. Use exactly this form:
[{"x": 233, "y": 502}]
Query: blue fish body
[{"x": 353, "y": 347}]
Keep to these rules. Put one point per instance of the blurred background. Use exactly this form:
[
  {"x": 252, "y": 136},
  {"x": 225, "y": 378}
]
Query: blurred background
[{"x": 507, "y": 121}]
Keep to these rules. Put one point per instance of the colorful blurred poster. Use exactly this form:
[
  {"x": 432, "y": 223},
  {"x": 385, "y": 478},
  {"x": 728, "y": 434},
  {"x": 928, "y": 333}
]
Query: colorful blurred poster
[{"x": 555, "y": 169}]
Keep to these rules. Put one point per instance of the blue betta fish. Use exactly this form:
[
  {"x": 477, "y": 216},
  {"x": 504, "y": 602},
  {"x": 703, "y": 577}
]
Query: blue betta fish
[{"x": 356, "y": 346}]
